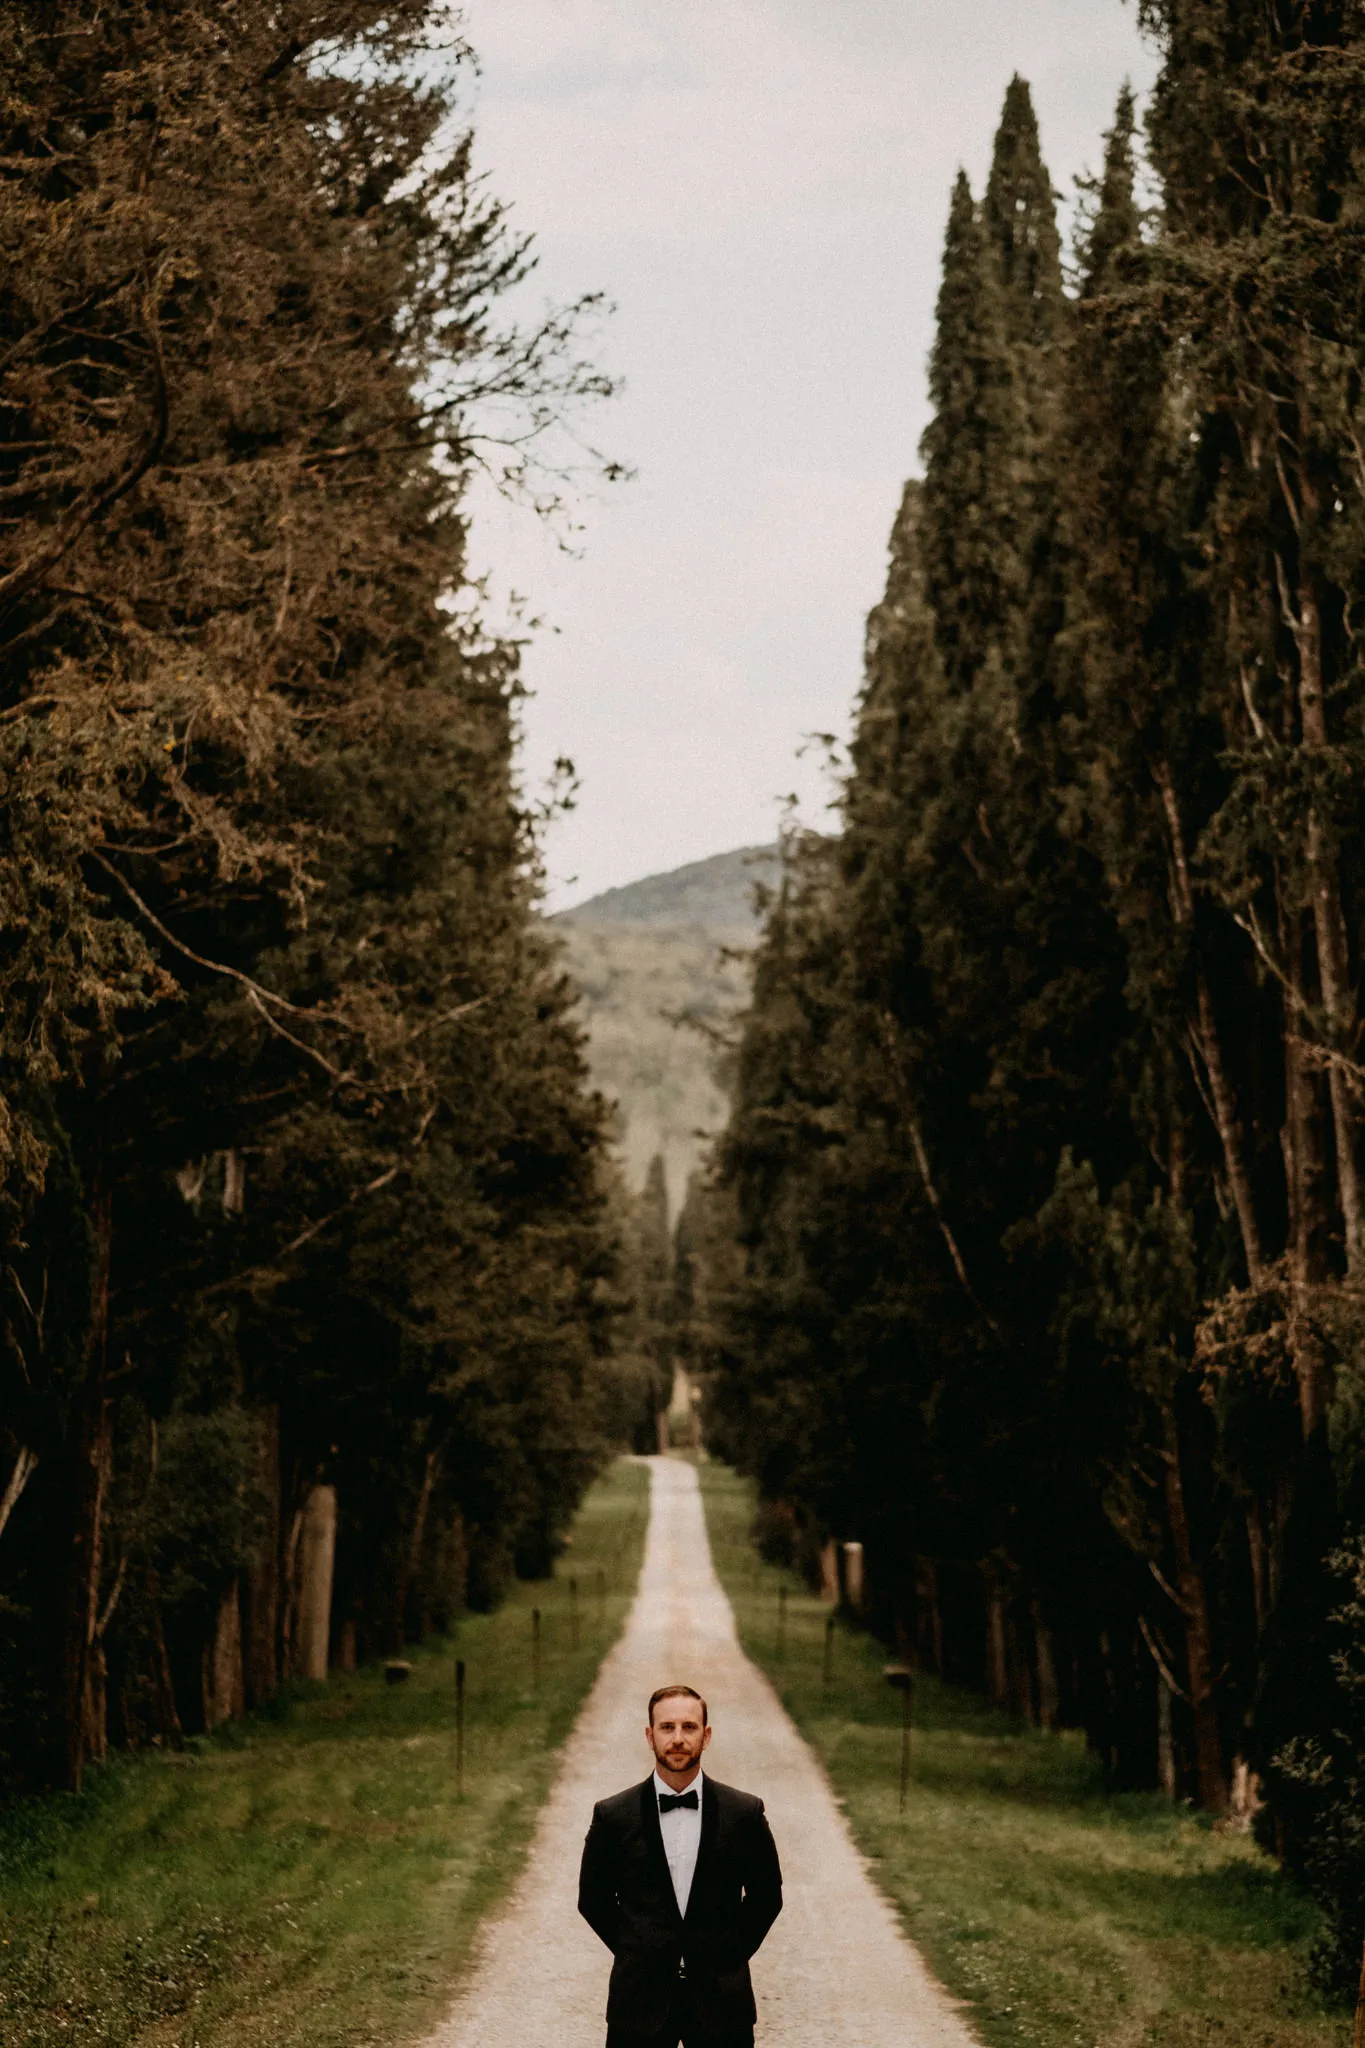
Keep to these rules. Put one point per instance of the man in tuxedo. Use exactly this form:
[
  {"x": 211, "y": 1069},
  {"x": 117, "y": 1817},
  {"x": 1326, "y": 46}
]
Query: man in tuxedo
[{"x": 680, "y": 1879}]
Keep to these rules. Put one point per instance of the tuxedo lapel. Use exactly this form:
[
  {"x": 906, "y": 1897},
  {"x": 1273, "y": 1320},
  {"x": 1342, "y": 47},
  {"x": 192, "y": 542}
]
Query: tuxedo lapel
[
  {"x": 710, "y": 1828},
  {"x": 654, "y": 1835}
]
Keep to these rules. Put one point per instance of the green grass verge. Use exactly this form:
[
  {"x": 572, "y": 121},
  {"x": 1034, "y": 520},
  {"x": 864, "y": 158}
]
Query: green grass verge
[
  {"x": 309, "y": 1876},
  {"x": 1065, "y": 1917}
]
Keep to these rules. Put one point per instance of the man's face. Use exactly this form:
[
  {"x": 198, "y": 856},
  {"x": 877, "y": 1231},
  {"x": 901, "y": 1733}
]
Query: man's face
[{"x": 677, "y": 1738}]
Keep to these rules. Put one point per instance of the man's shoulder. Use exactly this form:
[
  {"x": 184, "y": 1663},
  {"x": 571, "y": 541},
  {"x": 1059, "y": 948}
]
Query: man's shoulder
[
  {"x": 621, "y": 1806},
  {"x": 729, "y": 1799}
]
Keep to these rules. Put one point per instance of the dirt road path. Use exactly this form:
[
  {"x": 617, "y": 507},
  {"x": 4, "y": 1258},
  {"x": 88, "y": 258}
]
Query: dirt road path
[{"x": 835, "y": 1972}]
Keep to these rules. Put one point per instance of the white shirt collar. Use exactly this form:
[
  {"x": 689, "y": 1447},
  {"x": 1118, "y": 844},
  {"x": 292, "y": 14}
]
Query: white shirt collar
[{"x": 668, "y": 1792}]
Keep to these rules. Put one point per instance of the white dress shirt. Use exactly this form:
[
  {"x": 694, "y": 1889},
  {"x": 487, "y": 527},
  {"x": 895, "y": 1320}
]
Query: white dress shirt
[{"x": 681, "y": 1830}]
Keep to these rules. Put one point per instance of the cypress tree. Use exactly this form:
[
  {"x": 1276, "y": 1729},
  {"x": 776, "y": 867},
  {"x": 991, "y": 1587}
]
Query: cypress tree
[
  {"x": 1020, "y": 219},
  {"x": 1020, "y": 222},
  {"x": 1068, "y": 1024},
  {"x": 1257, "y": 131},
  {"x": 973, "y": 561},
  {"x": 942, "y": 969},
  {"x": 1132, "y": 635}
]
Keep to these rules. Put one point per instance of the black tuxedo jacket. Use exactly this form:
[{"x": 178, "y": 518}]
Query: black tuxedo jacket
[{"x": 625, "y": 1894}]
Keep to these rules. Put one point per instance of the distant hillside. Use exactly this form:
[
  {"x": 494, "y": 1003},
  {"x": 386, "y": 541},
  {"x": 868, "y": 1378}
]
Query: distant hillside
[
  {"x": 660, "y": 984},
  {"x": 715, "y": 894}
]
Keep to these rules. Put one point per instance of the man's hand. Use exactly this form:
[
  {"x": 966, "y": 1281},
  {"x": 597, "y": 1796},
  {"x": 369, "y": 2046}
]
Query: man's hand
[{"x": 598, "y": 1895}]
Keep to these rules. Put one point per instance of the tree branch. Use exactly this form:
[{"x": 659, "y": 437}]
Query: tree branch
[
  {"x": 926, "y": 1176},
  {"x": 1162, "y": 1666},
  {"x": 309, "y": 1051},
  {"x": 306, "y": 1236},
  {"x": 1167, "y": 1588},
  {"x": 24, "y": 1467},
  {"x": 263, "y": 995}
]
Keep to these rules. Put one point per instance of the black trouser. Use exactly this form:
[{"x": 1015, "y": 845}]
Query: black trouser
[{"x": 680, "y": 2026}]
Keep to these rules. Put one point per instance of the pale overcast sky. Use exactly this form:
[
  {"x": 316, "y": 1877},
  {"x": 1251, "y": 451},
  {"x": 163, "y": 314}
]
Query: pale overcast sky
[{"x": 761, "y": 187}]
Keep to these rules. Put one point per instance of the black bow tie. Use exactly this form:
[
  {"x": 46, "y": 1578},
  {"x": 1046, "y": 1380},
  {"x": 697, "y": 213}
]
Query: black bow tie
[{"x": 669, "y": 1800}]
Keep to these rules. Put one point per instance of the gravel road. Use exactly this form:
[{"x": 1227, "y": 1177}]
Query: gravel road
[{"x": 836, "y": 1972}]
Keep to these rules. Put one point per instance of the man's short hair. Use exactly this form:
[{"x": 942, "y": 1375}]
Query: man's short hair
[{"x": 686, "y": 1692}]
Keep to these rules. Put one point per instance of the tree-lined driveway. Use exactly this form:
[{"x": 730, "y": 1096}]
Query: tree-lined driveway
[{"x": 836, "y": 1972}]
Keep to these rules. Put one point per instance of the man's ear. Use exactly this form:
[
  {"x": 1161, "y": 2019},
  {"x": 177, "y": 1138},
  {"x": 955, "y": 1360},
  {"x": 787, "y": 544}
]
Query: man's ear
[{"x": 706, "y": 1736}]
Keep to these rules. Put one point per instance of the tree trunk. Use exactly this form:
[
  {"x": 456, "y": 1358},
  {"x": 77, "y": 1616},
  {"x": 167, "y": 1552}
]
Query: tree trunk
[
  {"x": 1023, "y": 1704},
  {"x": 95, "y": 1704},
  {"x": 930, "y": 1628},
  {"x": 458, "y": 1590},
  {"x": 289, "y": 1586},
  {"x": 1049, "y": 1693},
  {"x": 1229, "y": 1127},
  {"x": 1111, "y": 1700},
  {"x": 412, "y": 1562},
  {"x": 936, "y": 1618},
  {"x": 1256, "y": 1549},
  {"x": 261, "y": 1588},
  {"x": 168, "y": 1719},
  {"x": 1305, "y": 1170},
  {"x": 1209, "y": 1042},
  {"x": 223, "y": 1678},
  {"x": 1194, "y": 1607},
  {"x": 1284, "y": 1501},
  {"x": 1329, "y": 924},
  {"x": 997, "y": 1653},
  {"x": 317, "y": 1559},
  {"x": 1334, "y": 975},
  {"x": 1165, "y": 1740},
  {"x": 83, "y": 1690},
  {"x": 1246, "y": 1800}
]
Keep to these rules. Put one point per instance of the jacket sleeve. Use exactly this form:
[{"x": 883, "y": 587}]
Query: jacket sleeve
[
  {"x": 598, "y": 1899},
  {"x": 762, "y": 1884}
]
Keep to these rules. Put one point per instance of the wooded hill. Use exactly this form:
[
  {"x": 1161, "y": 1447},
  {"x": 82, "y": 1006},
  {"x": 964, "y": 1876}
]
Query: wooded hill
[
  {"x": 662, "y": 969},
  {"x": 1046, "y": 1149},
  {"x": 304, "y": 1254}
]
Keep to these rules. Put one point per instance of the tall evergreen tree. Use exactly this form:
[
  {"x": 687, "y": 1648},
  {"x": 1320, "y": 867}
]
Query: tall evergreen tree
[
  {"x": 944, "y": 969},
  {"x": 1083, "y": 957},
  {"x": 272, "y": 997},
  {"x": 1256, "y": 132},
  {"x": 1021, "y": 225}
]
